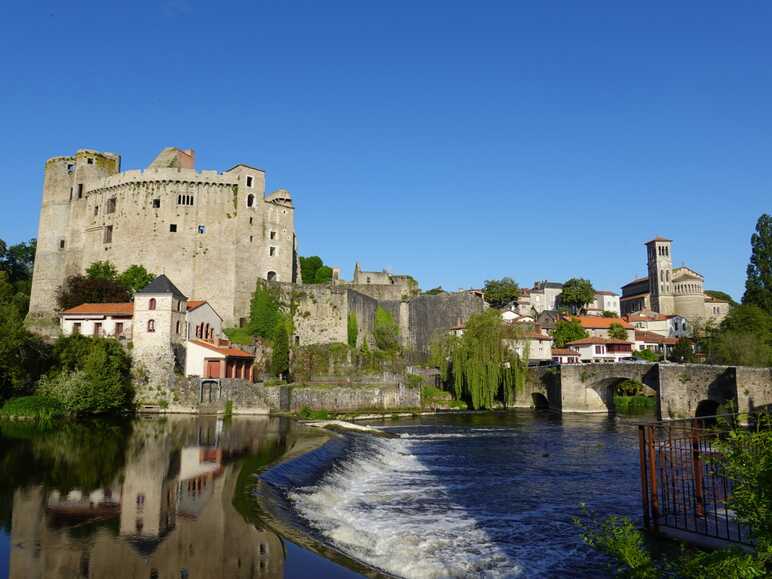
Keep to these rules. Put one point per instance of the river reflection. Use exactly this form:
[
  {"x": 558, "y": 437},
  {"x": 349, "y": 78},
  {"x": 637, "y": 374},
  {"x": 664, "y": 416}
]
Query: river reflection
[{"x": 153, "y": 498}]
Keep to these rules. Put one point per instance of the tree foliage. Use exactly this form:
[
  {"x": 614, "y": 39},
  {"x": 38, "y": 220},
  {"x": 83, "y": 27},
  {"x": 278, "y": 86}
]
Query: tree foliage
[
  {"x": 566, "y": 331},
  {"x": 323, "y": 274},
  {"x": 682, "y": 352},
  {"x": 80, "y": 289},
  {"x": 720, "y": 295},
  {"x": 135, "y": 278},
  {"x": 744, "y": 338},
  {"x": 577, "y": 292},
  {"x": 313, "y": 270},
  {"x": 280, "y": 355},
  {"x": 434, "y": 291},
  {"x": 646, "y": 355},
  {"x": 264, "y": 310},
  {"x": 385, "y": 331},
  {"x": 102, "y": 270},
  {"x": 484, "y": 367},
  {"x": 617, "y": 331},
  {"x": 352, "y": 330},
  {"x": 499, "y": 292},
  {"x": 758, "y": 285},
  {"x": 16, "y": 265}
]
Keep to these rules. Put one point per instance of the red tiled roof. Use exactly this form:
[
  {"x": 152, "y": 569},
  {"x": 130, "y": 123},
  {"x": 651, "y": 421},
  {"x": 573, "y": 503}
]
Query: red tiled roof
[
  {"x": 225, "y": 351},
  {"x": 564, "y": 352},
  {"x": 605, "y": 293},
  {"x": 654, "y": 338},
  {"x": 119, "y": 309},
  {"x": 647, "y": 317},
  {"x": 601, "y": 323},
  {"x": 538, "y": 336},
  {"x": 596, "y": 340},
  {"x": 195, "y": 304}
]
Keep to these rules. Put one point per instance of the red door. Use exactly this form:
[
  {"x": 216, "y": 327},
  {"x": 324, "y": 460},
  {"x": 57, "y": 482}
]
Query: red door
[{"x": 212, "y": 369}]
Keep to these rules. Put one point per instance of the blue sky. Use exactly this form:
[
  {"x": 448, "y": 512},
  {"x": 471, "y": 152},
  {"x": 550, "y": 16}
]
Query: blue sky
[{"x": 456, "y": 141}]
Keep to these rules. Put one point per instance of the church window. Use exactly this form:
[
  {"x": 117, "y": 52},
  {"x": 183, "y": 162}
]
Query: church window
[
  {"x": 111, "y": 205},
  {"x": 151, "y": 304},
  {"x": 156, "y": 203},
  {"x": 667, "y": 275},
  {"x": 151, "y": 326},
  {"x": 271, "y": 276},
  {"x": 173, "y": 228},
  {"x": 181, "y": 306},
  {"x": 250, "y": 200},
  {"x": 272, "y": 251},
  {"x": 108, "y": 234},
  {"x": 80, "y": 190},
  {"x": 249, "y": 181},
  {"x": 70, "y": 193}
]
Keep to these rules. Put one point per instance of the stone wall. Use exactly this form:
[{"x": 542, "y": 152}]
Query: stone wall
[
  {"x": 363, "y": 307},
  {"x": 433, "y": 314},
  {"x": 321, "y": 314},
  {"x": 689, "y": 390},
  {"x": 346, "y": 398},
  {"x": 754, "y": 388}
]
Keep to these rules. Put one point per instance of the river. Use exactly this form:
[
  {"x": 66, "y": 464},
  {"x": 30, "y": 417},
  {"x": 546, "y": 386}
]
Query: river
[{"x": 465, "y": 495}]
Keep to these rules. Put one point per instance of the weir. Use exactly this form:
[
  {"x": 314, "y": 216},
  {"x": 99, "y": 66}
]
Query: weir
[{"x": 682, "y": 390}]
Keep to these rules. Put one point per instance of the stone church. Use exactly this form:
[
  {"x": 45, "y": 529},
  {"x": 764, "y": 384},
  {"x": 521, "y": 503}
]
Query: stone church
[
  {"x": 670, "y": 291},
  {"x": 215, "y": 233}
]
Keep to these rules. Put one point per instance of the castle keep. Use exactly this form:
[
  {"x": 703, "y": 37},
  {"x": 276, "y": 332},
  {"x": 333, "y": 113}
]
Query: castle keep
[{"x": 214, "y": 233}]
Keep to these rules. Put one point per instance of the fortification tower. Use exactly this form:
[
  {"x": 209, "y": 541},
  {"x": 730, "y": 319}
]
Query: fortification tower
[
  {"x": 660, "y": 264},
  {"x": 64, "y": 199}
]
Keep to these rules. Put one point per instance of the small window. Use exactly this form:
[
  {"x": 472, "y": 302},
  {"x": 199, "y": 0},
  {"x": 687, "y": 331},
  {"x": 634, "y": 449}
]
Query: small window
[
  {"x": 249, "y": 181},
  {"x": 108, "y": 234},
  {"x": 96, "y": 210},
  {"x": 185, "y": 200},
  {"x": 70, "y": 168},
  {"x": 178, "y": 327},
  {"x": 76, "y": 328},
  {"x": 151, "y": 304},
  {"x": 98, "y": 329},
  {"x": 202, "y": 228},
  {"x": 271, "y": 276},
  {"x": 250, "y": 200},
  {"x": 173, "y": 228},
  {"x": 156, "y": 203},
  {"x": 118, "y": 328},
  {"x": 251, "y": 219},
  {"x": 273, "y": 235},
  {"x": 180, "y": 306},
  {"x": 151, "y": 325},
  {"x": 61, "y": 244},
  {"x": 250, "y": 239},
  {"x": 90, "y": 160},
  {"x": 272, "y": 251},
  {"x": 71, "y": 190},
  {"x": 80, "y": 190}
]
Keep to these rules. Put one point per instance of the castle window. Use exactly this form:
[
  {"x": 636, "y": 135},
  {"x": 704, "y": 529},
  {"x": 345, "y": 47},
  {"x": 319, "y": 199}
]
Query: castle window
[
  {"x": 249, "y": 181},
  {"x": 178, "y": 327},
  {"x": 90, "y": 160},
  {"x": 110, "y": 205},
  {"x": 108, "y": 234},
  {"x": 151, "y": 304},
  {"x": 151, "y": 325},
  {"x": 250, "y": 200},
  {"x": 70, "y": 168},
  {"x": 156, "y": 203},
  {"x": 271, "y": 276},
  {"x": 71, "y": 193},
  {"x": 96, "y": 210},
  {"x": 61, "y": 244},
  {"x": 251, "y": 219},
  {"x": 250, "y": 239},
  {"x": 80, "y": 190},
  {"x": 185, "y": 200},
  {"x": 202, "y": 228},
  {"x": 172, "y": 228},
  {"x": 273, "y": 235},
  {"x": 272, "y": 251}
]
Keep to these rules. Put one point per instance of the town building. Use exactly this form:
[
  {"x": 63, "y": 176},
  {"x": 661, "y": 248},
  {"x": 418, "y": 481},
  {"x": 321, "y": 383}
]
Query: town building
[
  {"x": 673, "y": 326},
  {"x": 215, "y": 233},
  {"x": 566, "y": 356},
  {"x": 380, "y": 285},
  {"x": 604, "y": 301},
  {"x": 668, "y": 290},
  {"x": 599, "y": 326},
  {"x": 654, "y": 342},
  {"x": 596, "y": 349}
]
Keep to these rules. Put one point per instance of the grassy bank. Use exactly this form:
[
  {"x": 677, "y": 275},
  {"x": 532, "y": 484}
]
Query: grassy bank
[
  {"x": 39, "y": 408},
  {"x": 635, "y": 404}
]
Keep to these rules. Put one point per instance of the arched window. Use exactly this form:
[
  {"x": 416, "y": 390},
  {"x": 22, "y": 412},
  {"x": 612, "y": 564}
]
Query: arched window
[
  {"x": 151, "y": 304},
  {"x": 250, "y": 200},
  {"x": 271, "y": 276},
  {"x": 151, "y": 325}
]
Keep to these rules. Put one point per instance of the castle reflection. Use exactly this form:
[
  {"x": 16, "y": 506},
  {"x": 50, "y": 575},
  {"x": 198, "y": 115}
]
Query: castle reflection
[{"x": 179, "y": 507}]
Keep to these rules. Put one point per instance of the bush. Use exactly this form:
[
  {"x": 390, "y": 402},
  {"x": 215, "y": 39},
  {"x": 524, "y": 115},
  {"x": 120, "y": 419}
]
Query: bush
[
  {"x": 386, "y": 331},
  {"x": 79, "y": 289},
  {"x": 280, "y": 357},
  {"x": 353, "y": 330},
  {"x": 264, "y": 310},
  {"x": 634, "y": 404},
  {"x": 41, "y": 408},
  {"x": 239, "y": 336},
  {"x": 646, "y": 355},
  {"x": 307, "y": 414}
]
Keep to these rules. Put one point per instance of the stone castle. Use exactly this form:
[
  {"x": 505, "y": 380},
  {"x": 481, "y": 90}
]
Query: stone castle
[{"x": 214, "y": 233}]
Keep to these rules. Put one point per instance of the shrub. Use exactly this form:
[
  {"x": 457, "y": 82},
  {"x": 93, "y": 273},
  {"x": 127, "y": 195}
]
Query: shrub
[
  {"x": 386, "y": 331},
  {"x": 280, "y": 356},
  {"x": 646, "y": 355},
  {"x": 239, "y": 335},
  {"x": 352, "y": 329},
  {"x": 307, "y": 414},
  {"x": 264, "y": 310},
  {"x": 617, "y": 331},
  {"x": 41, "y": 408},
  {"x": 79, "y": 289}
]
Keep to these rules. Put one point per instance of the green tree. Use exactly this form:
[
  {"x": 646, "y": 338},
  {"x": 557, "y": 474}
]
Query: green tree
[
  {"x": 78, "y": 289},
  {"x": 682, "y": 352},
  {"x": 617, "y": 331},
  {"x": 434, "y": 291},
  {"x": 758, "y": 285},
  {"x": 608, "y": 314},
  {"x": 353, "y": 330},
  {"x": 744, "y": 338},
  {"x": 264, "y": 310},
  {"x": 647, "y": 355},
  {"x": 385, "y": 331},
  {"x": 102, "y": 270},
  {"x": 135, "y": 278},
  {"x": 323, "y": 274},
  {"x": 308, "y": 267},
  {"x": 17, "y": 263},
  {"x": 566, "y": 331},
  {"x": 500, "y": 292},
  {"x": 576, "y": 294},
  {"x": 280, "y": 356}
]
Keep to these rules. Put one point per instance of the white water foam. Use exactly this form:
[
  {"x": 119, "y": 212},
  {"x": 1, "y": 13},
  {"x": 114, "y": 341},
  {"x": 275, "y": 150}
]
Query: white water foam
[{"x": 385, "y": 508}]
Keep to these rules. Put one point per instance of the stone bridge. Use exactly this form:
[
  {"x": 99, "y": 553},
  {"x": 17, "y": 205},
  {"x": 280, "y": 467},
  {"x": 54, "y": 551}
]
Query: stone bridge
[{"x": 682, "y": 390}]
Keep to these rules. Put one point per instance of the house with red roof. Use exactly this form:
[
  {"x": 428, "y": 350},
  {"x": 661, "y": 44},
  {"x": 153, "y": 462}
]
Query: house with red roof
[{"x": 597, "y": 349}]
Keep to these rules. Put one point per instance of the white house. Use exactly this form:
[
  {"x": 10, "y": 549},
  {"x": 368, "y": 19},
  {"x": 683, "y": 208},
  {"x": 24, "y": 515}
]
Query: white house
[
  {"x": 604, "y": 301},
  {"x": 566, "y": 356},
  {"x": 673, "y": 326},
  {"x": 596, "y": 349},
  {"x": 654, "y": 342},
  {"x": 203, "y": 322},
  {"x": 217, "y": 360},
  {"x": 114, "y": 320},
  {"x": 599, "y": 326},
  {"x": 539, "y": 346}
]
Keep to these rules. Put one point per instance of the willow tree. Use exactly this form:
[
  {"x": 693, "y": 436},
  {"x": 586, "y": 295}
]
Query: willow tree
[{"x": 488, "y": 363}]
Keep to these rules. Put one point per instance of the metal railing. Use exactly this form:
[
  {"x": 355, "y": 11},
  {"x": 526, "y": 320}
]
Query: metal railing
[{"x": 683, "y": 486}]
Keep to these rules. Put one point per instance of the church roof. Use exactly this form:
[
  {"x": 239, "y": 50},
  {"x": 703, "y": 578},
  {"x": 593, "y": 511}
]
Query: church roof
[
  {"x": 658, "y": 238},
  {"x": 162, "y": 285}
]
